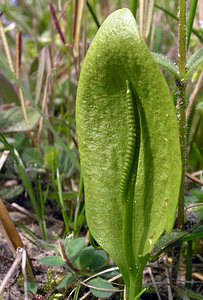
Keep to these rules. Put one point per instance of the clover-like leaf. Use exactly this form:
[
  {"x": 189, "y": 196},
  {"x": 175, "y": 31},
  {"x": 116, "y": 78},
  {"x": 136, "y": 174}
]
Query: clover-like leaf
[
  {"x": 12, "y": 120},
  {"x": 101, "y": 288}
]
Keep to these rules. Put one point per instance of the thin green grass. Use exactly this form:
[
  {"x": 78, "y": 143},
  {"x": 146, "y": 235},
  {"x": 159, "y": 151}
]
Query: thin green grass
[
  {"x": 134, "y": 6},
  {"x": 192, "y": 14},
  {"x": 62, "y": 203},
  {"x": 167, "y": 12},
  {"x": 93, "y": 14},
  {"x": 25, "y": 179}
]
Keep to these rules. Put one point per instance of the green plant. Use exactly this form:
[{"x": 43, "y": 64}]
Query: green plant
[
  {"x": 129, "y": 147},
  {"x": 43, "y": 44},
  {"x": 79, "y": 261}
]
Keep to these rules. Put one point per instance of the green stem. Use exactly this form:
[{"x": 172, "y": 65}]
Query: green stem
[
  {"x": 134, "y": 284},
  {"x": 62, "y": 203},
  {"x": 93, "y": 14},
  {"x": 176, "y": 262},
  {"x": 78, "y": 201},
  {"x": 42, "y": 200},
  {"x": 181, "y": 112},
  {"x": 140, "y": 294},
  {"x": 134, "y": 7},
  {"x": 133, "y": 289},
  {"x": 70, "y": 41},
  {"x": 189, "y": 266},
  {"x": 181, "y": 104}
]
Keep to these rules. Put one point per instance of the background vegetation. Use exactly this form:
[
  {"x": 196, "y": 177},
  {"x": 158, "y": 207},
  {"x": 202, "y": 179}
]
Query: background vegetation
[{"x": 42, "y": 46}]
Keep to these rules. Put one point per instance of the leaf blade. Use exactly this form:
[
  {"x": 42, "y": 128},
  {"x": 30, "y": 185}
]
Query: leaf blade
[
  {"x": 101, "y": 288},
  {"x": 166, "y": 63},
  {"x": 194, "y": 62}
]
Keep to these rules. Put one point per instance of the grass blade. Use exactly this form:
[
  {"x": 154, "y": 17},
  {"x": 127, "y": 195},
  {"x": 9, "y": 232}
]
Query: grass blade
[
  {"x": 24, "y": 177},
  {"x": 166, "y": 63},
  {"x": 8, "y": 56},
  {"x": 56, "y": 22},
  {"x": 40, "y": 73},
  {"x": 134, "y": 6},
  {"x": 146, "y": 13},
  {"x": 193, "y": 8},
  {"x": 81, "y": 6},
  {"x": 62, "y": 203},
  {"x": 194, "y": 62},
  {"x": 58, "y": 139},
  {"x": 93, "y": 14}
]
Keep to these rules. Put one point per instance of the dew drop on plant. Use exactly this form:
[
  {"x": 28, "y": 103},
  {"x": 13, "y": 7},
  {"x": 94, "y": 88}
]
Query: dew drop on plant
[
  {"x": 201, "y": 24},
  {"x": 165, "y": 139},
  {"x": 166, "y": 204},
  {"x": 150, "y": 242}
]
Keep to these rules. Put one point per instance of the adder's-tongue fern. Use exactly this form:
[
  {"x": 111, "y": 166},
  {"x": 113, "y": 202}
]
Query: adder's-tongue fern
[{"x": 129, "y": 146}]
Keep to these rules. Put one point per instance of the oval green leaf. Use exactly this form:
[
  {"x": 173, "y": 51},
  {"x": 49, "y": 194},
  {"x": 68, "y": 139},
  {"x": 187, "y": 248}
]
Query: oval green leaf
[
  {"x": 8, "y": 93},
  {"x": 12, "y": 120},
  {"x": 66, "y": 281},
  {"x": 86, "y": 257},
  {"x": 74, "y": 247},
  {"x": 101, "y": 288},
  {"x": 54, "y": 261}
]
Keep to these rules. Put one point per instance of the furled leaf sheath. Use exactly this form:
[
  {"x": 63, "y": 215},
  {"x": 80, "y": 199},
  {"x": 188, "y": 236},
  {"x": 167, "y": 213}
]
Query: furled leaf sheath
[{"x": 128, "y": 179}]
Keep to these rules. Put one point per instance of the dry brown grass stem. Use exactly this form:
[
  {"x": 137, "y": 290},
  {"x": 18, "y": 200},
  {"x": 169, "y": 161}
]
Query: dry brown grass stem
[
  {"x": 154, "y": 283},
  {"x": 80, "y": 8},
  {"x": 6, "y": 47},
  {"x": 3, "y": 158},
  {"x": 9, "y": 59},
  {"x": 44, "y": 105},
  {"x": 40, "y": 74},
  {"x": 12, "y": 270},
  {"x": 12, "y": 237},
  {"x": 146, "y": 16},
  {"x": 170, "y": 294},
  {"x": 10, "y": 233},
  {"x": 194, "y": 179}
]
